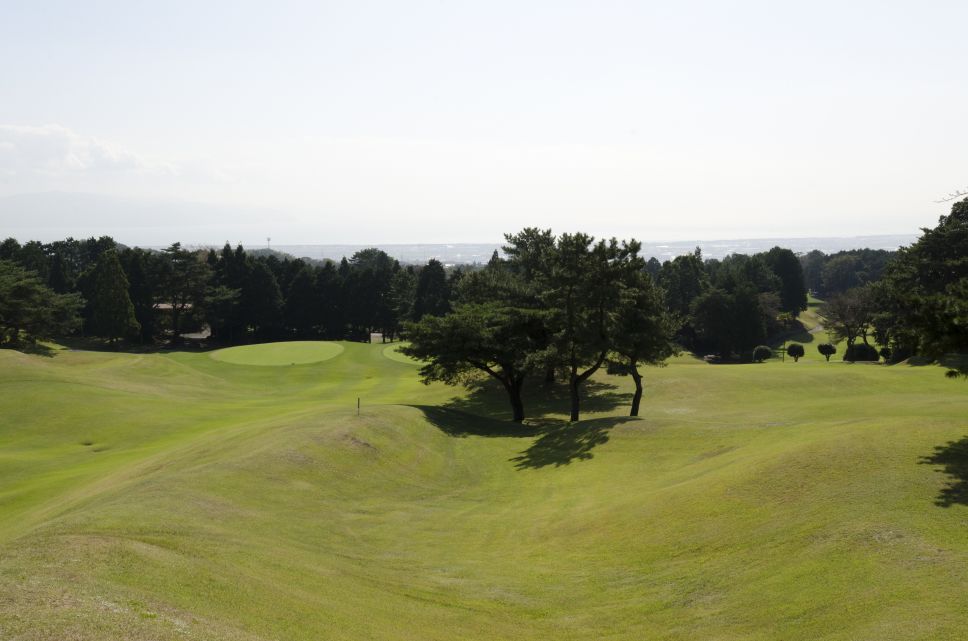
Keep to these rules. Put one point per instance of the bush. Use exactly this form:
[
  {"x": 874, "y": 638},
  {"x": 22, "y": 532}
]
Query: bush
[
  {"x": 761, "y": 353},
  {"x": 827, "y": 350},
  {"x": 795, "y": 351},
  {"x": 861, "y": 352},
  {"x": 885, "y": 353}
]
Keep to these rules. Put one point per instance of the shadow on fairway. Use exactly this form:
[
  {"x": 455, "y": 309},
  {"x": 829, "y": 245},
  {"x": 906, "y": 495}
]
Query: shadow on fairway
[
  {"x": 562, "y": 444},
  {"x": 543, "y": 403},
  {"x": 799, "y": 334},
  {"x": 953, "y": 456},
  {"x": 949, "y": 361},
  {"x": 556, "y": 442},
  {"x": 90, "y": 344},
  {"x": 460, "y": 424},
  {"x": 36, "y": 349}
]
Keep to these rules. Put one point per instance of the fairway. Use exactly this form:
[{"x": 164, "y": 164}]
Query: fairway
[
  {"x": 288, "y": 353},
  {"x": 182, "y": 496}
]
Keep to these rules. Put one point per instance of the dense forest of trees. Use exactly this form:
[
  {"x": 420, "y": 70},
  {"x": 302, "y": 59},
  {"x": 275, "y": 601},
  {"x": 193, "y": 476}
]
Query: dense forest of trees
[
  {"x": 555, "y": 307},
  {"x": 829, "y": 274},
  {"x": 921, "y": 304},
  {"x": 116, "y": 293}
]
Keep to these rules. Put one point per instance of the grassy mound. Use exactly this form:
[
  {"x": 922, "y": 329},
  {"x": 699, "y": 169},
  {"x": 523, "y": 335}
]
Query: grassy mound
[
  {"x": 175, "y": 496},
  {"x": 393, "y": 353},
  {"x": 287, "y": 353}
]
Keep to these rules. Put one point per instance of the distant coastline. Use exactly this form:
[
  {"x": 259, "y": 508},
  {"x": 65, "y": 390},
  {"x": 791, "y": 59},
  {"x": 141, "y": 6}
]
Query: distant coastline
[{"x": 470, "y": 253}]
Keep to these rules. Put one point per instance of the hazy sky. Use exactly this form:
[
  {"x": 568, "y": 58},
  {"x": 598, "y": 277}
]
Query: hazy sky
[{"x": 452, "y": 121}]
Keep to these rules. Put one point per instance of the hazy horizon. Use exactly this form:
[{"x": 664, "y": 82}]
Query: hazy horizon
[
  {"x": 457, "y": 122},
  {"x": 470, "y": 253},
  {"x": 39, "y": 217}
]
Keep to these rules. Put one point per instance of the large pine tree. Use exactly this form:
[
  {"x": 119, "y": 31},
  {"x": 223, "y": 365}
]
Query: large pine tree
[
  {"x": 31, "y": 311},
  {"x": 926, "y": 289},
  {"x": 112, "y": 313},
  {"x": 303, "y": 306},
  {"x": 431, "y": 292}
]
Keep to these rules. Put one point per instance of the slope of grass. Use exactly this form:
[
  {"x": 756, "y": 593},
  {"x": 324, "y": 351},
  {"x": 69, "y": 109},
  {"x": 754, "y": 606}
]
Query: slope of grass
[
  {"x": 392, "y": 352},
  {"x": 173, "y": 496},
  {"x": 812, "y": 333}
]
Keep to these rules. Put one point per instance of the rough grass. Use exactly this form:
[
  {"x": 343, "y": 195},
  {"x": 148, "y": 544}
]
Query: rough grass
[{"x": 172, "y": 496}]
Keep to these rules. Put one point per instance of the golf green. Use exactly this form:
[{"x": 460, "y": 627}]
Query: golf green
[{"x": 275, "y": 354}]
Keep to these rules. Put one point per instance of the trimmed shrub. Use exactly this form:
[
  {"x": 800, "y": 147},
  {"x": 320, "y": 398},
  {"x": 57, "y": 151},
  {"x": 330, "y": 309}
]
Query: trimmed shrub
[
  {"x": 861, "y": 352},
  {"x": 827, "y": 350},
  {"x": 795, "y": 351},
  {"x": 761, "y": 353}
]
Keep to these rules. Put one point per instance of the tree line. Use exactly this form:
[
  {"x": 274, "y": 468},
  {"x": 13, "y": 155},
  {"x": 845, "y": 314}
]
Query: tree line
[
  {"x": 551, "y": 307},
  {"x": 101, "y": 289},
  {"x": 724, "y": 306}
]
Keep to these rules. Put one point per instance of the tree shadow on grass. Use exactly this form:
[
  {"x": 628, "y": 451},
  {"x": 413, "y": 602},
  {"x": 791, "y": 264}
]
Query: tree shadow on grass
[
  {"x": 797, "y": 334},
  {"x": 94, "y": 344},
  {"x": 35, "y": 349},
  {"x": 542, "y": 401},
  {"x": 953, "y": 362},
  {"x": 953, "y": 456},
  {"x": 459, "y": 424},
  {"x": 555, "y": 441},
  {"x": 560, "y": 445}
]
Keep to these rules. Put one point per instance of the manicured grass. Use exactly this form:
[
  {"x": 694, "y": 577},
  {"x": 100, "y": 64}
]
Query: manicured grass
[
  {"x": 289, "y": 353},
  {"x": 812, "y": 334},
  {"x": 174, "y": 496},
  {"x": 392, "y": 352}
]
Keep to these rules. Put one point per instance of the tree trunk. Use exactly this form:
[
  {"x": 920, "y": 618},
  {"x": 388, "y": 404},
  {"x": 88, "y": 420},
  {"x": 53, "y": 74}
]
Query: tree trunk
[
  {"x": 175, "y": 321},
  {"x": 512, "y": 382},
  {"x": 514, "y": 396},
  {"x": 637, "y": 397},
  {"x": 573, "y": 384},
  {"x": 550, "y": 375}
]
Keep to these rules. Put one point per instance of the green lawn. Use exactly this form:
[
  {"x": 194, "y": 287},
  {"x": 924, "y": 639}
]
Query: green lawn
[
  {"x": 290, "y": 353},
  {"x": 811, "y": 334},
  {"x": 177, "y": 496}
]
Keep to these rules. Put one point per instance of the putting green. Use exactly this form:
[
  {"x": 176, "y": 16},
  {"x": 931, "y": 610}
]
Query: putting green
[{"x": 288, "y": 353}]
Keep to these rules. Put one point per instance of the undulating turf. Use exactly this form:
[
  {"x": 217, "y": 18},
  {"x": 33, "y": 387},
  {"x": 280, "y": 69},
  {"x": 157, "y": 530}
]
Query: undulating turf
[
  {"x": 392, "y": 352},
  {"x": 174, "y": 496}
]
